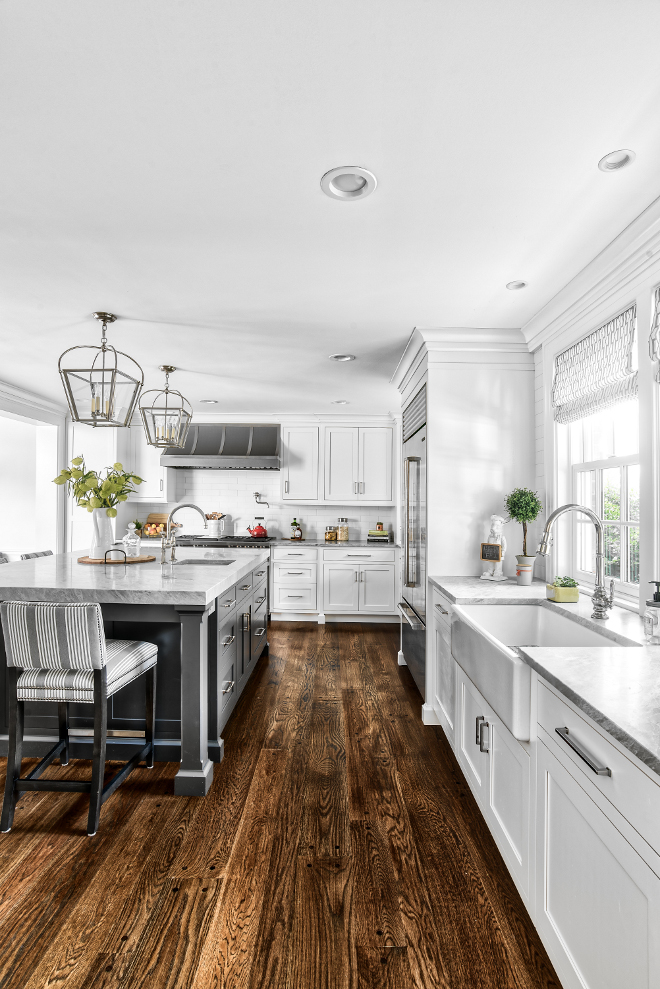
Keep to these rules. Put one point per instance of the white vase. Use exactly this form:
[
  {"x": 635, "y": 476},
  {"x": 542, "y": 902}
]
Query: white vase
[{"x": 102, "y": 538}]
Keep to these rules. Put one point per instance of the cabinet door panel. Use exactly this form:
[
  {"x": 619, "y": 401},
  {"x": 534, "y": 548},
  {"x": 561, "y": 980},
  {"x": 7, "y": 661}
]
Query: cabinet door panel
[
  {"x": 510, "y": 774},
  {"x": 158, "y": 483},
  {"x": 445, "y": 678},
  {"x": 341, "y": 463},
  {"x": 598, "y": 901},
  {"x": 474, "y": 762},
  {"x": 376, "y": 589},
  {"x": 300, "y": 464},
  {"x": 375, "y": 471},
  {"x": 340, "y": 587}
]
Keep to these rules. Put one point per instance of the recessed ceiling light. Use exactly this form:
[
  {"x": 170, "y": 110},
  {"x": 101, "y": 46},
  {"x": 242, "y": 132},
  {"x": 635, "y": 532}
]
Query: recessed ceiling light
[
  {"x": 340, "y": 401},
  {"x": 348, "y": 182},
  {"x": 513, "y": 286},
  {"x": 342, "y": 357},
  {"x": 616, "y": 159},
  {"x": 208, "y": 401}
]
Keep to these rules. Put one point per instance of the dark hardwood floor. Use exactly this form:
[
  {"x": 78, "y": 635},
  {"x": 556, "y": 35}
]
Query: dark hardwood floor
[{"x": 338, "y": 847}]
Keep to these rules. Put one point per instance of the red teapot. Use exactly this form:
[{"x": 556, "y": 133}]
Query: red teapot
[{"x": 258, "y": 532}]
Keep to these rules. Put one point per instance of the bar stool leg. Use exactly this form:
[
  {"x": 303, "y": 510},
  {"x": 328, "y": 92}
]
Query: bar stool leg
[
  {"x": 63, "y": 718},
  {"x": 15, "y": 750},
  {"x": 150, "y": 714},
  {"x": 98, "y": 755}
]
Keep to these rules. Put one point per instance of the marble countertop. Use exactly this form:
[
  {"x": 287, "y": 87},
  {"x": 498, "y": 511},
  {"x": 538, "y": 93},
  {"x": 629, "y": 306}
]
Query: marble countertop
[
  {"x": 618, "y": 687},
  {"x": 351, "y": 544},
  {"x": 62, "y": 578}
]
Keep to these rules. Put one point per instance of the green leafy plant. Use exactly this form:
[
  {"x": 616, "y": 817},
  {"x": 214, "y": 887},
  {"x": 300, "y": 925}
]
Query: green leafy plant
[
  {"x": 91, "y": 490},
  {"x": 523, "y": 506},
  {"x": 564, "y": 582}
]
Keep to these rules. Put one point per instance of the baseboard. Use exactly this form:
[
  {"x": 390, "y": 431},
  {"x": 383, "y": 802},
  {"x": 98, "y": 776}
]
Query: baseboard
[{"x": 429, "y": 717}]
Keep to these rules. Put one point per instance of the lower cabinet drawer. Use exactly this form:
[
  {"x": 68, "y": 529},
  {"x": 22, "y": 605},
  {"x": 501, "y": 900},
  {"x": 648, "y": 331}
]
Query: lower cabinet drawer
[
  {"x": 295, "y": 573},
  {"x": 294, "y": 554},
  {"x": 228, "y": 635},
  {"x": 360, "y": 555},
  {"x": 628, "y": 788},
  {"x": 226, "y": 602},
  {"x": 227, "y": 683},
  {"x": 287, "y": 598},
  {"x": 258, "y": 629}
]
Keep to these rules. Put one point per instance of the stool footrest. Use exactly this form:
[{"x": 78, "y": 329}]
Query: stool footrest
[
  {"x": 57, "y": 786},
  {"x": 46, "y": 761},
  {"x": 127, "y": 768}
]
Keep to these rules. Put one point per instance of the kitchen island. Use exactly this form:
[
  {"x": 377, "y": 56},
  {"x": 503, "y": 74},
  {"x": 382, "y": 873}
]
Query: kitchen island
[{"x": 179, "y": 614}]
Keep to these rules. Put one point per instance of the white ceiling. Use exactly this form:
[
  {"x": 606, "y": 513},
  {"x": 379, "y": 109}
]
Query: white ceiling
[{"x": 161, "y": 160}]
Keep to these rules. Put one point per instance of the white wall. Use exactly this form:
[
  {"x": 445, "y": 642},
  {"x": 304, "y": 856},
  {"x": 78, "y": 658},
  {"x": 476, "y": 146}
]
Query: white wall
[{"x": 232, "y": 492}]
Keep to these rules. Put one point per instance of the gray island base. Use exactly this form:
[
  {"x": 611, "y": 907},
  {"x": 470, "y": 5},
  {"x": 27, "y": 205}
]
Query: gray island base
[{"x": 199, "y": 666}]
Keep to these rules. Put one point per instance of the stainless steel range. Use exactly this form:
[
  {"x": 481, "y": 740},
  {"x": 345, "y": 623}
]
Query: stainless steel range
[{"x": 228, "y": 542}]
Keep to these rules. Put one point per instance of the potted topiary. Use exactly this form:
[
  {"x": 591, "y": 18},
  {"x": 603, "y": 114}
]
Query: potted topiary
[
  {"x": 523, "y": 506},
  {"x": 563, "y": 590}
]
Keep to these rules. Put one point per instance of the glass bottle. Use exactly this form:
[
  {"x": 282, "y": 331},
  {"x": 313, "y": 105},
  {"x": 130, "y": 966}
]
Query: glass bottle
[
  {"x": 296, "y": 531},
  {"x": 131, "y": 542},
  {"x": 342, "y": 532}
]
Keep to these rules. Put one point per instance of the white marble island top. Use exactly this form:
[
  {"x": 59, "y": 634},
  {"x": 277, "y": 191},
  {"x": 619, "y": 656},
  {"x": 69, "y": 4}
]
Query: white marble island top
[{"x": 62, "y": 579}]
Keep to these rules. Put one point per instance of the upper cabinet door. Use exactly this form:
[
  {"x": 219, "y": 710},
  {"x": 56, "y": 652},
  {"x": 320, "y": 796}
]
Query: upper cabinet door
[
  {"x": 375, "y": 470},
  {"x": 341, "y": 463},
  {"x": 158, "y": 484},
  {"x": 300, "y": 463}
]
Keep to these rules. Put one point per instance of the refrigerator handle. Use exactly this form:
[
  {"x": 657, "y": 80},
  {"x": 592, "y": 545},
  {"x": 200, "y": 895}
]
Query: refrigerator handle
[{"x": 406, "y": 541}]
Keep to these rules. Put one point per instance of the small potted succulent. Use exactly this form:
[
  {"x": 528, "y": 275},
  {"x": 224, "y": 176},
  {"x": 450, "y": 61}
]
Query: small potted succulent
[
  {"x": 523, "y": 506},
  {"x": 563, "y": 590}
]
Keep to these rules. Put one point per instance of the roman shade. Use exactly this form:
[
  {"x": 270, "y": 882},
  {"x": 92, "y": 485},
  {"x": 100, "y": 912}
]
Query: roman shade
[{"x": 597, "y": 371}]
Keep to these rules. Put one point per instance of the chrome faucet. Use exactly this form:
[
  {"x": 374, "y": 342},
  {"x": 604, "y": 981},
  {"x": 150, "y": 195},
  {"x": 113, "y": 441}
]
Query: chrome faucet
[
  {"x": 601, "y": 602},
  {"x": 169, "y": 537}
]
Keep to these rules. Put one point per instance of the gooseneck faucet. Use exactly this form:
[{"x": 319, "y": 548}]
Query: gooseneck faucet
[
  {"x": 169, "y": 538},
  {"x": 601, "y": 602}
]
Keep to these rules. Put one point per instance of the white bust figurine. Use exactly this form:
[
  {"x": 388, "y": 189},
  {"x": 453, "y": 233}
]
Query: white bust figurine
[{"x": 494, "y": 571}]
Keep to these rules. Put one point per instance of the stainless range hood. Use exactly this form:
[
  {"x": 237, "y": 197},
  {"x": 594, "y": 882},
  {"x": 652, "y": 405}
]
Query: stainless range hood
[{"x": 227, "y": 446}]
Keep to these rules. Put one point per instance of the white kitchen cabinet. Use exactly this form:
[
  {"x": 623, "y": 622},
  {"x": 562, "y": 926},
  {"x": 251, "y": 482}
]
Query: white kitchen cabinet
[
  {"x": 376, "y": 589},
  {"x": 597, "y": 900},
  {"x": 444, "y": 700},
  {"x": 358, "y": 464},
  {"x": 159, "y": 483},
  {"x": 498, "y": 769},
  {"x": 341, "y": 587},
  {"x": 300, "y": 463}
]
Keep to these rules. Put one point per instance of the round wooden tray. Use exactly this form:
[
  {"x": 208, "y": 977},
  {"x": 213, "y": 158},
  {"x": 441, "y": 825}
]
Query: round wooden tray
[{"x": 129, "y": 559}]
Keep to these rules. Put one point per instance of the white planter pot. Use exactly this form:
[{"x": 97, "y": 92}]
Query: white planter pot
[
  {"x": 102, "y": 538},
  {"x": 526, "y": 560}
]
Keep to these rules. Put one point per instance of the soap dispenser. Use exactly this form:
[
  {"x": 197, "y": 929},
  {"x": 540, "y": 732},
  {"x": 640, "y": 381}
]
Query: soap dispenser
[{"x": 652, "y": 617}]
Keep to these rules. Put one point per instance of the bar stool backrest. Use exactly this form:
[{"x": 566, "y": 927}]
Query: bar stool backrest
[
  {"x": 4, "y": 558},
  {"x": 33, "y": 556},
  {"x": 53, "y": 636}
]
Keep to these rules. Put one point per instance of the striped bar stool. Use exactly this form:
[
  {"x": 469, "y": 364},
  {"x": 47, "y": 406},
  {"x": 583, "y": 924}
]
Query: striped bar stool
[
  {"x": 58, "y": 652},
  {"x": 35, "y": 556}
]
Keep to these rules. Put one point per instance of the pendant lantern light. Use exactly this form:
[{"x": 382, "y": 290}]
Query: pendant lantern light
[
  {"x": 166, "y": 415},
  {"x": 105, "y": 390}
]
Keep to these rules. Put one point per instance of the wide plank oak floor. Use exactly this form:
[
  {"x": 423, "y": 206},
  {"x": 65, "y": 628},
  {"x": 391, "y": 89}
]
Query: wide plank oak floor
[{"x": 338, "y": 848}]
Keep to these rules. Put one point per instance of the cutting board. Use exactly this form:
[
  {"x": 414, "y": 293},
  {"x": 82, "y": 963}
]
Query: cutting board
[{"x": 129, "y": 559}]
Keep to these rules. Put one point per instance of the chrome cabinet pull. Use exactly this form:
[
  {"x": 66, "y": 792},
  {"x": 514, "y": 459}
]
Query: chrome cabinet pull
[
  {"x": 361, "y": 555},
  {"x": 260, "y": 573},
  {"x": 441, "y": 609},
  {"x": 484, "y": 727},
  {"x": 294, "y": 554},
  {"x": 583, "y": 754},
  {"x": 356, "y": 575},
  {"x": 230, "y": 686},
  {"x": 480, "y": 718},
  {"x": 354, "y": 487},
  {"x": 228, "y": 641},
  {"x": 246, "y": 587},
  {"x": 260, "y": 600},
  {"x": 407, "y": 579},
  {"x": 259, "y": 631},
  {"x": 230, "y": 604},
  {"x": 246, "y": 621},
  {"x": 286, "y": 487},
  {"x": 294, "y": 595},
  {"x": 295, "y": 573}
]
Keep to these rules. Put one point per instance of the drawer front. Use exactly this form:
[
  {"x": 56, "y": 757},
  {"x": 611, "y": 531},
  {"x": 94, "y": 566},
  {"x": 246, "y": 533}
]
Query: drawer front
[
  {"x": 292, "y": 598},
  {"x": 629, "y": 789},
  {"x": 441, "y": 608},
  {"x": 228, "y": 636},
  {"x": 260, "y": 596},
  {"x": 360, "y": 555},
  {"x": 258, "y": 575},
  {"x": 283, "y": 553},
  {"x": 295, "y": 573},
  {"x": 227, "y": 685},
  {"x": 243, "y": 587},
  {"x": 259, "y": 628},
  {"x": 226, "y": 602}
]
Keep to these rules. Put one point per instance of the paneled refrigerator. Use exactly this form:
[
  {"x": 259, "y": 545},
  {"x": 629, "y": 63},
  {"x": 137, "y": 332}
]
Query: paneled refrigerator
[{"x": 413, "y": 604}]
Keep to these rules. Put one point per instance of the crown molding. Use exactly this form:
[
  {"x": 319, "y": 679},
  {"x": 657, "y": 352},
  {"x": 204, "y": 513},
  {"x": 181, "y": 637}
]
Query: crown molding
[
  {"x": 607, "y": 283},
  {"x": 24, "y": 403},
  {"x": 467, "y": 340},
  {"x": 288, "y": 418}
]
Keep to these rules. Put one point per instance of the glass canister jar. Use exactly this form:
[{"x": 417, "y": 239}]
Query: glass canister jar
[
  {"x": 331, "y": 533},
  {"x": 342, "y": 531},
  {"x": 131, "y": 541}
]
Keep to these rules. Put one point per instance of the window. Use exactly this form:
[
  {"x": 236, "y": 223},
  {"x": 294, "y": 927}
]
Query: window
[
  {"x": 28, "y": 498},
  {"x": 604, "y": 454}
]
